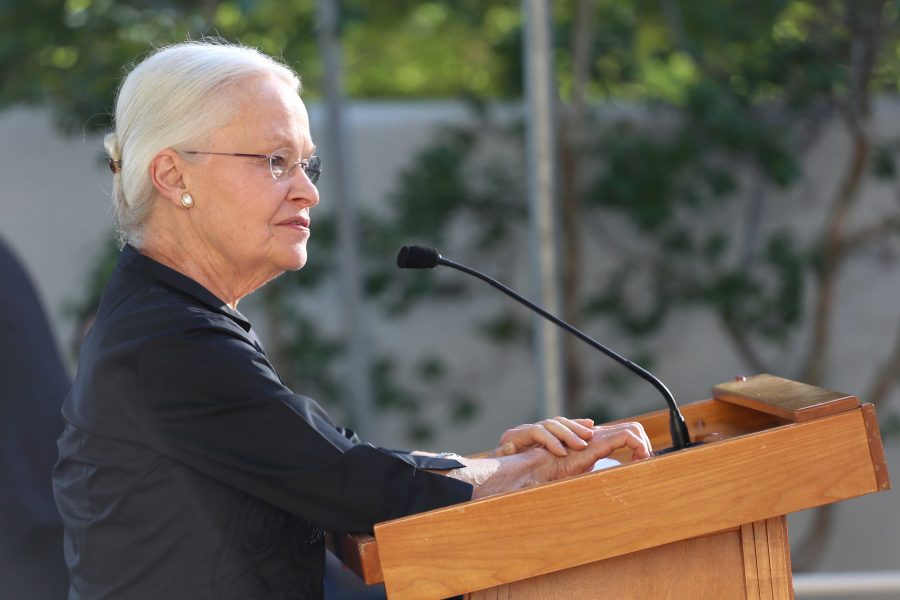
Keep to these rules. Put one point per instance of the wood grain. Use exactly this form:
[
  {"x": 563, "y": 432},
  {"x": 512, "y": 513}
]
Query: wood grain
[
  {"x": 359, "y": 553},
  {"x": 780, "y": 558},
  {"x": 876, "y": 447},
  {"x": 751, "y": 572},
  {"x": 790, "y": 400},
  {"x": 767, "y": 560},
  {"x": 671, "y": 572},
  {"x": 763, "y": 566},
  {"x": 628, "y": 508},
  {"x": 707, "y": 421}
]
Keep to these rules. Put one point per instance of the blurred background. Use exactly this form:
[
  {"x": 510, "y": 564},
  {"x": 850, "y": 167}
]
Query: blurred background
[{"x": 709, "y": 186}]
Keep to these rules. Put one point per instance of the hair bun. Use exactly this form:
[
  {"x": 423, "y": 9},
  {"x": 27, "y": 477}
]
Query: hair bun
[{"x": 111, "y": 143}]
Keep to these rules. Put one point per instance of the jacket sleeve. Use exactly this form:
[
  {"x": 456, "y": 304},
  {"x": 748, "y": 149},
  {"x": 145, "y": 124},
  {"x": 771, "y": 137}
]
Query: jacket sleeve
[{"x": 207, "y": 397}]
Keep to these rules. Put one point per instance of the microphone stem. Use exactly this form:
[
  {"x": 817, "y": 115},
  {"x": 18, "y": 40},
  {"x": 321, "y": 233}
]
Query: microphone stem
[{"x": 677, "y": 426}]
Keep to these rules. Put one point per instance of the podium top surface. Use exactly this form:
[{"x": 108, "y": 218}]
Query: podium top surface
[{"x": 783, "y": 398}]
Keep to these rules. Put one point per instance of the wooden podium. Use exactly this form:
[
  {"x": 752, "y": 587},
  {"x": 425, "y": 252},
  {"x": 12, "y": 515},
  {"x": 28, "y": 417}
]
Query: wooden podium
[{"x": 706, "y": 522}]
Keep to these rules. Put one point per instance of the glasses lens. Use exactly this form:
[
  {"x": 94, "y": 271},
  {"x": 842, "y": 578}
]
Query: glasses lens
[
  {"x": 279, "y": 162},
  {"x": 313, "y": 168}
]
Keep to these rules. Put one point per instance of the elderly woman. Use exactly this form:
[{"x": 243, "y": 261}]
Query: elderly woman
[{"x": 187, "y": 468}]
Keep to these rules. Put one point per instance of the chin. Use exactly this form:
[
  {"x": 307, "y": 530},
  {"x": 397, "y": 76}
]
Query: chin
[
  {"x": 288, "y": 257},
  {"x": 296, "y": 261}
]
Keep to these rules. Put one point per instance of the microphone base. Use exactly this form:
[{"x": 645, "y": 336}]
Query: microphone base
[{"x": 671, "y": 449}]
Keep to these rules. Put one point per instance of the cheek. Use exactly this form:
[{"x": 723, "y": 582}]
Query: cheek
[{"x": 249, "y": 210}]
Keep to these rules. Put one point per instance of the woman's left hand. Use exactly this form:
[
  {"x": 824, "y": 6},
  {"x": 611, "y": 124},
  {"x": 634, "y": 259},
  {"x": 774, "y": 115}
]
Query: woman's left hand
[{"x": 554, "y": 434}]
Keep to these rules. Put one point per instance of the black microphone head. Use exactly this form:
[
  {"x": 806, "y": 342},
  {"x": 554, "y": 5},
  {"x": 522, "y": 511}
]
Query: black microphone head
[{"x": 417, "y": 257}]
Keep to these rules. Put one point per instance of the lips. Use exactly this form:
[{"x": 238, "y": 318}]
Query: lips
[{"x": 299, "y": 221}]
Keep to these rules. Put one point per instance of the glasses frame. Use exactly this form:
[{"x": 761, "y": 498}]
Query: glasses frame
[{"x": 312, "y": 166}]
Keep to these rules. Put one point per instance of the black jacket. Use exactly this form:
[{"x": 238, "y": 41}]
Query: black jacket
[
  {"x": 187, "y": 468},
  {"x": 33, "y": 383}
]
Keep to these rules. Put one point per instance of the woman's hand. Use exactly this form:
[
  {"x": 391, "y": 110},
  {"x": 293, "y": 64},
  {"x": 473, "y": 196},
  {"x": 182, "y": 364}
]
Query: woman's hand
[
  {"x": 622, "y": 435},
  {"x": 554, "y": 434},
  {"x": 536, "y": 464},
  {"x": 605, "y": 441}
]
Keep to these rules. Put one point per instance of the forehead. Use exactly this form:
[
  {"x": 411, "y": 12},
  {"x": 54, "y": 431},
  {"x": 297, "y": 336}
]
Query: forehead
[{"x": 270, "y": 115}]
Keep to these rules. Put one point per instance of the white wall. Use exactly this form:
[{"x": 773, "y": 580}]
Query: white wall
[{"x": 54, "y": 207}]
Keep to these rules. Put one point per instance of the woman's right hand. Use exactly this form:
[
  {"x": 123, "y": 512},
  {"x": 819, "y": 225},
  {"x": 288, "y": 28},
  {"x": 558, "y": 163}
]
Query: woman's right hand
[
  {"x": 538, "y": 465},
  {"x": 554, "y": 434},
  {"x": 606, "y": 440}
]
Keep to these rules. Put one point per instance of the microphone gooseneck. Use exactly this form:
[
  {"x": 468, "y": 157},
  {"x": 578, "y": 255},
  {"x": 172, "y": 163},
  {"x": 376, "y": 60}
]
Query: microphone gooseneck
[{"x": 420, "y": 257}]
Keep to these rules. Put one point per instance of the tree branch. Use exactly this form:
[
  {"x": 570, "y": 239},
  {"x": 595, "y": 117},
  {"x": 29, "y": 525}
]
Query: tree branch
[
  {"x": 742, "y": 343},
  {"x": 753, "y": 220},
  {"x": 870, "y": 234},
  {"x": 571, "y": 141},
  {"x": 886, "y": 376},
  {"x": 833, "y": 251},
  {"x": 864, "y": 21}
]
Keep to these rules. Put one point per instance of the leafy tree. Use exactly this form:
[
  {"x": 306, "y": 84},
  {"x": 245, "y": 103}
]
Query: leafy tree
[
  {"x": 69, "y": 54},
  {"x": 728, "y": 111}
]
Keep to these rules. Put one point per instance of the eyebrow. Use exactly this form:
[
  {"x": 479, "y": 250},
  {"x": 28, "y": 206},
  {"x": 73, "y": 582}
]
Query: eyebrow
[{"x": 285, "y": 142}]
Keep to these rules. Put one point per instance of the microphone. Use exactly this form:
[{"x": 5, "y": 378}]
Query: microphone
[{"x": 421, "y": 257}]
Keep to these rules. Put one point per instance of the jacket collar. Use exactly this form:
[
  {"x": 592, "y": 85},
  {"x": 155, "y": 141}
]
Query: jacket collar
[{"x": 134, "y": 261}]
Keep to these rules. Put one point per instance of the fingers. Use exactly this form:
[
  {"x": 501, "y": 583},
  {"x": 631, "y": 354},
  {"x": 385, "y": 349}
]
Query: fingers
[
  {"x": 570, "y": 432},
  {"x": 556, "y": 435},
  {"x": 506, "y": 449},
  {"x": 606, "y": 440},
  {"x": 528, "y": 436},
  {"x": 550, "y": 466},
  {"x": 631, "y": 435},
  {"x": 580, "y": 427},
  {"x": 559, "y": 434}
]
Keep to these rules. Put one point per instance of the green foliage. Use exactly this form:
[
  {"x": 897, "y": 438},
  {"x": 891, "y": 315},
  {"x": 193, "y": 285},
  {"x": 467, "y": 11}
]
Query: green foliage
[
  {"x": 412, "y": 398},
  {"x": 402, "y": 49},
  {"x": 71, "y": 54},
  {"x": 722, "y": 116},
  {"x": 431, "y": 369},
  {"x": 884, "y": 163},
  {"x": 388, "y": 394},
  {"x": 454, "y": 180},
  {"x": 718, "y": 106},
  {"x": 505, "y": 328},
  {"x": 304, "y": 354}
]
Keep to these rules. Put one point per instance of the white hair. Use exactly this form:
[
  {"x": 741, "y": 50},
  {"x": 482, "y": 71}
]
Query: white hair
[{"x": 174, "y": 98}]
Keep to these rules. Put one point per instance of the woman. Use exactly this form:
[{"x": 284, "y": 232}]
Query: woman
[{"x": 187, "y": 468}]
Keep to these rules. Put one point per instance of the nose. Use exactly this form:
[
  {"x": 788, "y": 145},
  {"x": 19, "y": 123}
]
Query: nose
[{"x": 303, "y": 191}]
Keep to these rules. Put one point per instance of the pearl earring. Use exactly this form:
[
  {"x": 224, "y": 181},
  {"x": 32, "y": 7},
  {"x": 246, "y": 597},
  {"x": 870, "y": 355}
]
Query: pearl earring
[{"x": 187, "y": 200}]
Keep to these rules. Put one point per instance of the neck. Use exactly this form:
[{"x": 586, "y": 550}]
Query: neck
[{"x": 187, "y": 254}]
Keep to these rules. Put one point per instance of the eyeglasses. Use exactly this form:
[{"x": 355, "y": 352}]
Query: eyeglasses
[{"x": 281, "y": 163}]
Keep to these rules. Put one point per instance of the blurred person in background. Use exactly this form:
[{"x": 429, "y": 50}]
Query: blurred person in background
[
  {"x": 33, "y": 383},
  {"x": 187, "y": 468}
]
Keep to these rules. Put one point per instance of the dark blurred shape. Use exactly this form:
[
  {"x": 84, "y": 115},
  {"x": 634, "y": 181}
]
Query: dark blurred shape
[
  {"x": 33, "y": 383},
  {"x": 342, "y": 584}
]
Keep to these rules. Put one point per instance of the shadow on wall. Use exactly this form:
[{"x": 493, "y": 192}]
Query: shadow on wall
[{"x": 33, "y": 383}]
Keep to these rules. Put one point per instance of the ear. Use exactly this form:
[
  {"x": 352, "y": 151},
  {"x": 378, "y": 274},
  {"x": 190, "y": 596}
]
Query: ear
[{"x": 168, "y": 175}]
